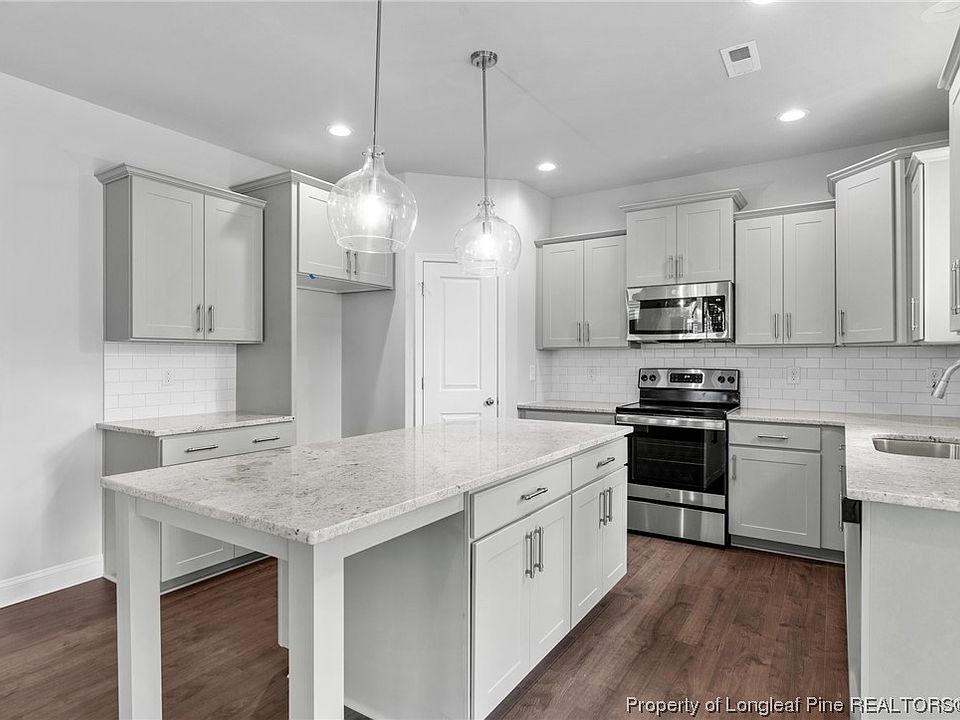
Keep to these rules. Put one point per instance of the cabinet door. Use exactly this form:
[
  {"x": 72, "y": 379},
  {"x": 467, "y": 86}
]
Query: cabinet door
[
  {"x": 809, "y": 280},
  {"x": 866, "y": 283},
  {"x": 604, "y": 292},
  {"x": 166, "y": 261},
  {"x": 233, "y": 270},
  {"x": 182, "y": 552},
  {"x": 614, "y": 535},
  {"x": 561, "y": 295},
  {"x": 954, "y": 201},
  {"x": 916, "y": 255},
  {"x": 833, "y": 466},
  {"x": 775, "y": 495},
  {"x": 501, "y": 614},
  {"x": 759, "y": 281},
  {"x": 586, "y": 585},
  {"x": 373, "y": 268},
  {"x": 705, "y": 241},
  {"x": 933, "y": 310},
  {"x": 550, "y": 588},
  {"x": 651, "y": 247},
  {"x": 318, "y": 252}
]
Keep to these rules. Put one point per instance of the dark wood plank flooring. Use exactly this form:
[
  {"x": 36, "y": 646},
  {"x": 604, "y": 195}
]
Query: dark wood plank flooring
[{"x": 687, "y": 621}]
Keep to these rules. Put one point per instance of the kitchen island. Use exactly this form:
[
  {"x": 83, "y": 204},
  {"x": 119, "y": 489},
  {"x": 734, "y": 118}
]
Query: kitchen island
[{"x": 381, "y": 536}]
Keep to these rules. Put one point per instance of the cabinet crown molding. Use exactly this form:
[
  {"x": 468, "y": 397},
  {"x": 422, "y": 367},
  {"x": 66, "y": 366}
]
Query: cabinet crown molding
[
  {"x": 785, "y": 209},
  {"x": 951, "y": 66},
  {"x": 899, "y": 153},
  {"x": 119, "y": 172},
  {"x": 926, "y": 156},
  {"x": 734, "y": 194},
  {"x": 578, "y": 238},
  {"x": 280, "y": 178}
]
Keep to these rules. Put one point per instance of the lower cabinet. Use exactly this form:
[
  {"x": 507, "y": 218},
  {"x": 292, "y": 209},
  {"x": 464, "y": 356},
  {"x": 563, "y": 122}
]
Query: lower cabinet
[
  {"x": 599, "y": 550},
  {"x": 521, "y": 600}
]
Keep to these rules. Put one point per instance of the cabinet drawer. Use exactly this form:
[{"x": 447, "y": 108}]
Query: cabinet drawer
[
  {"x": 598, "y": 462},
  {"x": 505, "y": 503},
  {"x": 788, "y": 437},
  {"x": 221, "y": 443}
]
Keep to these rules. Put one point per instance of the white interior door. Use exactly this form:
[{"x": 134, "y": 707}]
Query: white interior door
[{"x": 459, "y": 345}]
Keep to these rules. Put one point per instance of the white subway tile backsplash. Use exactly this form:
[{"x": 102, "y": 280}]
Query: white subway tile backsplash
[
  {"x": 204, "y": 379},
  {"x": 888, "y": 380}
]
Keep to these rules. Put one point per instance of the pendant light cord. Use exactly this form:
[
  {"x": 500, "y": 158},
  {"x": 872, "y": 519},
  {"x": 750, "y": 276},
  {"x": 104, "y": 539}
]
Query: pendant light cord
[
  {"x": 483, "y": 92},
  {"x": 376, "y": 77}
]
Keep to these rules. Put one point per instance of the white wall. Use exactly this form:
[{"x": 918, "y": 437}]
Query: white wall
[
  {"x": 769, "y": 184},
  {"x": 51, "y": 290},
  {"x": 378, "y": 344}
]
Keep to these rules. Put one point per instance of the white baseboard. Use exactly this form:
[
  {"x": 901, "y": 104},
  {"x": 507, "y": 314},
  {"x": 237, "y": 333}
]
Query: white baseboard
[{"x": 31, "y": 585}]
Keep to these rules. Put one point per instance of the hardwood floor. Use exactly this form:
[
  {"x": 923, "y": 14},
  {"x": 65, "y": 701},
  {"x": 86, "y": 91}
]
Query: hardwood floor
[{"x": 687, "y": 621}]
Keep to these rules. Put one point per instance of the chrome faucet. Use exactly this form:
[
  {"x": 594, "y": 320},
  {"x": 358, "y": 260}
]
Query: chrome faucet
[{"x": 940, "y": 389}]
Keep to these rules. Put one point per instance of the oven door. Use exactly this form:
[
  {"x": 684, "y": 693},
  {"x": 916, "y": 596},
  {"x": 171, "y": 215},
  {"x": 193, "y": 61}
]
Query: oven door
[{"x": 677, "y": 460}]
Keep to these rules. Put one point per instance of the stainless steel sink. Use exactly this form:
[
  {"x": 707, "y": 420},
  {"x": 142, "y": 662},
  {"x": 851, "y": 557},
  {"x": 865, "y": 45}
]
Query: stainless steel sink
[{"x": 918, "y": 448}]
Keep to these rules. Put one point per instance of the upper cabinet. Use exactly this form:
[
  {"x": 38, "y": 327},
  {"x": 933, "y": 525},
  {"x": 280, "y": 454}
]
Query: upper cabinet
[
  {"x": 183, "y": 261},
  {"x": 681, "y": 240},
  {"x": 321, "y": 264},
  {"x": 581, "y": 300},
  {"x": 950, "y": 81},
  {"x": 933, "y": 287},
  {"x": 785, "y": 276}
]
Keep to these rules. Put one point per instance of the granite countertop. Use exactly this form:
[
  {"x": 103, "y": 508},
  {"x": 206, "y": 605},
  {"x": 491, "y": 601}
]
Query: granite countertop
[
  {"x": 312, "y": 493},
  {"x": 874, "y": 476},
  {"x": 185, "y": 424},
  {"x": 584, "y": 406}
]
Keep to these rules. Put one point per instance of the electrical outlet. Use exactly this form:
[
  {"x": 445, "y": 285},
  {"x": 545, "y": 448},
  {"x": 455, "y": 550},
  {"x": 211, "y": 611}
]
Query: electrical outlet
[
  {"x": 533, "y": 373},
  {"x": 166, "y": 377},
  {"x": 934, "y": 374},
  {"x": 793, "y": 375},
  {"x": 593, "y": 374}
]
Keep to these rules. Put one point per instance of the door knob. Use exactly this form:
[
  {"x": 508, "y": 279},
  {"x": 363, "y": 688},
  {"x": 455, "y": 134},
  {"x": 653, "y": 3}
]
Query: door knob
[{"x": 489, "y": 401}]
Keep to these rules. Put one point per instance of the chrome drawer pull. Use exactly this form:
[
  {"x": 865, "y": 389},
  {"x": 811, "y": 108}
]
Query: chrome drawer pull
[
  {"x": 772, "y": 437},
  {"x": 538, "y": 565},
  {"x": 531, "y": 496},
  {"x": 601, "y": 463},
  {"x": 201, "y": 448},
  {"x": 266, "y": 439}
]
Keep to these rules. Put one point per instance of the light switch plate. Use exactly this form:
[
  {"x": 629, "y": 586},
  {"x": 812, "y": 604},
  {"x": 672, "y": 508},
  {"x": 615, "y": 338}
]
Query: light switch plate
[{"x": 793, "y": 375}]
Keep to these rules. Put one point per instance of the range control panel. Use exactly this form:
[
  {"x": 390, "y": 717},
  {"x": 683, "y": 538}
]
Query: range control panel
[{"x": 689, "y": 378}]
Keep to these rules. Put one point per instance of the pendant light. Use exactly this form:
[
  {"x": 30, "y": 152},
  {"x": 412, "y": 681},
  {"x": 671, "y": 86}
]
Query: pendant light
[
  {"x": 370, "y": 210},
  {"x": 487, "y": 245}
]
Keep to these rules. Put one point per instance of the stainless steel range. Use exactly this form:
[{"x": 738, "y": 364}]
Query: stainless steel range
[{"x": 677, "y": 452}]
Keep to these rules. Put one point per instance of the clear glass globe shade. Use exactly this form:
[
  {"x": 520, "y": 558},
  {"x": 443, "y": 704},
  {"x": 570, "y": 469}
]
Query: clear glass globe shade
[
  {"x": 370, "y": 210},
  {"x": 487, "y": 245}
]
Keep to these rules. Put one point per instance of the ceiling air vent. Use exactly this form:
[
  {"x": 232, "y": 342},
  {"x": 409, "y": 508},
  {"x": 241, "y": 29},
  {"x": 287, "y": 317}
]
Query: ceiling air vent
[{"x": 741, "y": 59}]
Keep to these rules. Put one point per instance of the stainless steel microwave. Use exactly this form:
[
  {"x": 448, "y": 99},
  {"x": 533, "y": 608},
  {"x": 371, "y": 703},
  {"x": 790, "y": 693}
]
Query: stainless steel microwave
[{"x": 680, "y": 313}]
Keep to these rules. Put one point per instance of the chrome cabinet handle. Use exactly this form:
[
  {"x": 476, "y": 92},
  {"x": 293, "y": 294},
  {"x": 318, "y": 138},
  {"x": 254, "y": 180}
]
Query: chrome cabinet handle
[
  {"x": 199, "y": 318},
  {"x": 913, "y": 314},
  {"x": 528, "y": 570},
  {"x": 201, "y": 448},
  {"x": 788, "y": 318},
  {"x": 606, "y": 461},
  {"x": 776, "y": 325},
  {"x": 212, "y": 322},
  {"x": 587, "y": 332},
  {"x": 956, "y": 287},
  {"x": 609, "y": 493},
  {"x": 680, "y": 268},
  {"x": 348, "y": 262},
  {"x": 538, "y": 565},
  {"x": 773, "y": 437},
  {"x": 733, "y": 467},
  {"x": 603, "y": 507},
  {"x": 266, "y": 439},
  {"x": 356, "y": 263},
  {"x": 535, "y": 493},
  {"x": 579, "y": 330},
  {"x": 843, "y": 323},
  {"x": 671, "y": 266},
  {"x": 840, "y": 519}
]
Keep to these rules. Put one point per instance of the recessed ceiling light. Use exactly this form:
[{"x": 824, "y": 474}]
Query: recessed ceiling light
[
  {"x": 339, "y": 130},
  {"x": 792, "y": 115},
  {"x": 761, "y": 2},
  {"x": 547, "y": 166}
]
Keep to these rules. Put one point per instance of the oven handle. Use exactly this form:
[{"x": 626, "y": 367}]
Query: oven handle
[{"x": 679, "y": 422}]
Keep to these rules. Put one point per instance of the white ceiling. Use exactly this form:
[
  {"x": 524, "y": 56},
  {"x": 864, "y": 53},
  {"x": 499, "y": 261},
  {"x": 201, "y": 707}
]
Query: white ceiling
[{"x": 615, "y": 93}]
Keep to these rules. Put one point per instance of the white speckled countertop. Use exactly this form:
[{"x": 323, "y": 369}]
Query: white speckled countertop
[
  {"x": 312, "y": 493},
  {"x": 185, "y": 424},
  {"x": 874, "y": 476},
  {"x": 584, "y": 406}
]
